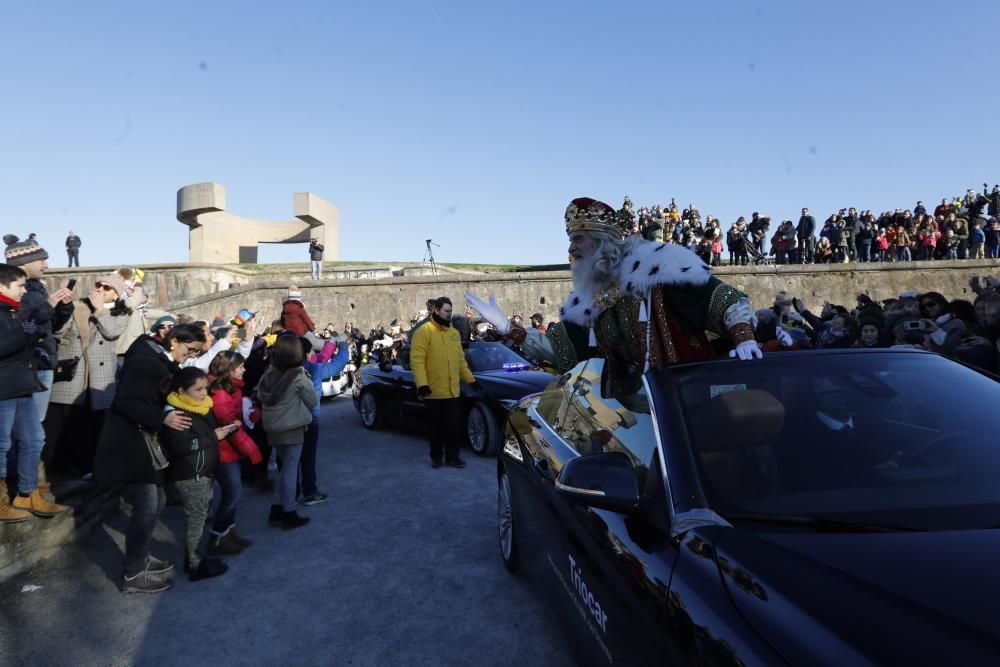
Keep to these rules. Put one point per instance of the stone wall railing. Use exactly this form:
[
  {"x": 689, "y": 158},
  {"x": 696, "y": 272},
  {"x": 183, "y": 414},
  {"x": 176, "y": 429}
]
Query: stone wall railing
[{"x": 366, "y": 302}]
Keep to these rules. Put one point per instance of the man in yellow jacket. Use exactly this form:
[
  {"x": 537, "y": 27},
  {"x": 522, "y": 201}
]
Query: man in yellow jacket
[{"x": 438, "y": 364}]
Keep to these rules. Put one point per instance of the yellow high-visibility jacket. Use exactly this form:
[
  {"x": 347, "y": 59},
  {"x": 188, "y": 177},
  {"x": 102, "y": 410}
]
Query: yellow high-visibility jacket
[{"x": 438, "y": 361}]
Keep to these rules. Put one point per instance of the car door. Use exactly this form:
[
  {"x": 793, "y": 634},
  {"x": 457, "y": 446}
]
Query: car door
[
  {"x": 620, "y": 564},
  {"x": 541, "y": 537},
  {"x": 409, "y": 404}
]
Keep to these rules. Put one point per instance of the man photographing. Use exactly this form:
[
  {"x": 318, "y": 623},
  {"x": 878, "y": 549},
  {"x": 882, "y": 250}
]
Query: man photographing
[{"x": 316, "y": 258}]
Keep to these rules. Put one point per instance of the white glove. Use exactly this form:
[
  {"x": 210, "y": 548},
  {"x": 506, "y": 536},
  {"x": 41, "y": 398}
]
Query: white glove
[
  {"x": 490, "y": 312},
  {"x": 746, "y": 351},
  {"x": 783, "y": 337}
]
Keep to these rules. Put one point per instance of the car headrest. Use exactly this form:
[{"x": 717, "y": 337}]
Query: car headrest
[{"x": 737, "y": 420}]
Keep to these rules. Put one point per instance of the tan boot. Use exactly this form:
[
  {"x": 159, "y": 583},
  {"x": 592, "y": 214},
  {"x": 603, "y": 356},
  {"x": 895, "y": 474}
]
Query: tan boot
[
  {"x": 7, "y": 513},
  {"x": 37, "y": 504},
  {"x": 44, "y": 485}
]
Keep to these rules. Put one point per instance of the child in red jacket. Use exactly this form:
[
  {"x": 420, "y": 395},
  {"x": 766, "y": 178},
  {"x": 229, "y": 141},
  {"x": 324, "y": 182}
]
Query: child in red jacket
[{"x": 226, "y": 375}]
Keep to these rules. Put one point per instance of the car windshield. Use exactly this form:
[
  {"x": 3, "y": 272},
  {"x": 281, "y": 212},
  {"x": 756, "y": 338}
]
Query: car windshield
[
  {"x": 891, "y": 439},
  {"x": 494, "y": 357}
]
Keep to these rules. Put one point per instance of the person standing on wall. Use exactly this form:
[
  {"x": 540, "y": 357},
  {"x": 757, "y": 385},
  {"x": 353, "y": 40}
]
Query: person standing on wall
[
  {"x": 73, "y": 244},
  {"x": 438, "y": 364},
  {"x": 316, "y": 258}
]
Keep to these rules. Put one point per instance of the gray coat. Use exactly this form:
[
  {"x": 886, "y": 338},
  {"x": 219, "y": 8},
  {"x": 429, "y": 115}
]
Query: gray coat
[
  {"x": 287, "y": 399},
  {"x": 98, "y": 373}
]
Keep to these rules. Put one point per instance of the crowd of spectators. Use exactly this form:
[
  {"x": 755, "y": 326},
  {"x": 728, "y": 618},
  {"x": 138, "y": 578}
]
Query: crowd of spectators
[
  {"x": 958, "y": 328},
  {"x": 163, "y": 406},
  {"x": 105, "y": 390},
  {"x": 961, "y": 227}
]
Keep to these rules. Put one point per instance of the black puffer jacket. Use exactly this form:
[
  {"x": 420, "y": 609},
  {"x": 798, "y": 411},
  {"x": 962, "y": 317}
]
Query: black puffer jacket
[
  {"x": 17, "y": 363},
  {"x": 35, "y": 308},
  {"x": 194, "y": 453}
]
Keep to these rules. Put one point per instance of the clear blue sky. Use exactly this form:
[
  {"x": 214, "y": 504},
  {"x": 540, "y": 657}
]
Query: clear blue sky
[{"x": 475, "y": 123}]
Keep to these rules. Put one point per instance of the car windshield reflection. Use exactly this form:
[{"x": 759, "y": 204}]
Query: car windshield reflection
[
  {"x": 890, "y": 439},
  {"x": 494, "y": 357}
]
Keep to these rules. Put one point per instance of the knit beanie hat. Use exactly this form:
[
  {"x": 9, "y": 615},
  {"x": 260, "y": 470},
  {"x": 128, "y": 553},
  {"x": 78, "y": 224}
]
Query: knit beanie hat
[
  {"x": 294, "y": 294},
  {"x": 160, "y": 321},
  {"x": 19, "y": 253}
]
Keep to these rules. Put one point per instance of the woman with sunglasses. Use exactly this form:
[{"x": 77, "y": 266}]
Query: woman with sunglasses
[
  {"x": 123, "y": 457},
  {"x": 83, "y": 394},
  {"x": 945, "y": 331}
]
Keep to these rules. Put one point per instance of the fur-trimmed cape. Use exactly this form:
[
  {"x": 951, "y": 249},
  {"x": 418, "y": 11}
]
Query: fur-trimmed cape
[{"x": 645, "y": 264}]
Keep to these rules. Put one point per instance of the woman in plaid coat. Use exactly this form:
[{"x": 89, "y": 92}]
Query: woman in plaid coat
[{"x": 97, "y": 321}]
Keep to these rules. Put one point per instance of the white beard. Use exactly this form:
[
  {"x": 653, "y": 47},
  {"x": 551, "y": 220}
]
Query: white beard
[
  {"x": 583, "y": 274},
  {"x": 586, "y": 278}
]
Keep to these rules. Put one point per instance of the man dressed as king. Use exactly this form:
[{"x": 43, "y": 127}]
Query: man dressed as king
[{"x": 638, "y": 304}]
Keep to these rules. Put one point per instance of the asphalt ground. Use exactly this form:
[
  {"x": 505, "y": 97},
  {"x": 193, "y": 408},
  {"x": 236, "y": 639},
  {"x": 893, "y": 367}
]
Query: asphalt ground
[{"x": 400, "y": 567}]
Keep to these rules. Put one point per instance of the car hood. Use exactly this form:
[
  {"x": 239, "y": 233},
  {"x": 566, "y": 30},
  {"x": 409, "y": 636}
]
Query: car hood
[
  {"x": 514, "y": 385},
  {"x": 884, "y": 598}
]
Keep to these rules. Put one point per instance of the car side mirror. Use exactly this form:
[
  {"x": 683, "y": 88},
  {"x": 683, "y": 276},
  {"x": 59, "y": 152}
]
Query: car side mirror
[{"x": 605, "y": 481}]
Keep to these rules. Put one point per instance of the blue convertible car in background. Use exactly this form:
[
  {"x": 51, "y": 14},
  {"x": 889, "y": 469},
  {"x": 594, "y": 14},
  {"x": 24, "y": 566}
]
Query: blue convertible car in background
[
  {"x": 813, "y": 508},
  {"x": 387, "y": 392}
]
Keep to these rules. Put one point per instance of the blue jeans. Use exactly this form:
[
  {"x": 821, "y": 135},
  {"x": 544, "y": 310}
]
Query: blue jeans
[
  {"x": 993, "y": 251},
  {"x": 42, "y": 397},
  {"x": 308, "y": 462},
  {"x": 316, "y": 270},
  {"x": 284, "y": 487},
  {"x": 147, "y": 501},
  {"x": 19, "y": 423},
  {"x": 903, "y": 254},
  {"x": 228, "y": 477}
]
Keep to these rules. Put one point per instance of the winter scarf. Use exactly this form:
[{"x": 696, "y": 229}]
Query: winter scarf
[{"x": 187, "y": 404}]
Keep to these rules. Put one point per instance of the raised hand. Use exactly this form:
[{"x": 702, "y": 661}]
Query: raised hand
[{"x": 490, "y": 312}]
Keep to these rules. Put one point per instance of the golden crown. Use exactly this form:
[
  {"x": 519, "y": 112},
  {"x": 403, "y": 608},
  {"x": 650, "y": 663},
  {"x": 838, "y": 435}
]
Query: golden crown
[{"x": 589, "y": 215}]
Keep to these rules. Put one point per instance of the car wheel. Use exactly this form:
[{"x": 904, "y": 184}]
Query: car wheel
[
  {"x": 505, "y": 519},
  {"x": 481, "y": 430},
  {"x": 371, "y": 411}
]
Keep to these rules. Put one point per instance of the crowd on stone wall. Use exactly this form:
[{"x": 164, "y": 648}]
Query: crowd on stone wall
[{"x": 960, "y": 227}]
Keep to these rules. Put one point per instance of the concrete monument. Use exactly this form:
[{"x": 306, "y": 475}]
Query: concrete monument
[{"x": 216, "y": 235}]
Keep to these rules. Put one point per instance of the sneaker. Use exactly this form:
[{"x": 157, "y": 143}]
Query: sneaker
[
  {"x": 291, "y": 520},
  {"x": 237, "y": 539},
  {"x": 456, "y": 463},
  {"x": 145, "y": 582},
  {"x": 315, "y": 499},
  {"x": 37, "y": 504},
  {"x": 156, "y": 566},
  {"x": 207, "y": 569},
  {"x": 221, "y": 545},
  {"x": 274, "y": 518}
]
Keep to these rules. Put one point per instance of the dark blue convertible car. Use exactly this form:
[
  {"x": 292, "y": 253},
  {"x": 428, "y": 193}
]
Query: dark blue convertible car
[
  {"x": 813, "y": 508},
  {"x": 386, "y": 392}
]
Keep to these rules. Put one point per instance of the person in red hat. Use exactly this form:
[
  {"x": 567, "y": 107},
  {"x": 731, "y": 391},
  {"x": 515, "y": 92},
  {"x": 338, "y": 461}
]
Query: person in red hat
[{"x": 639, "y": 304}]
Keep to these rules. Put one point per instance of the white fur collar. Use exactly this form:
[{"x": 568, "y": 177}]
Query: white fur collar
[{"x": 644, "y": 265}]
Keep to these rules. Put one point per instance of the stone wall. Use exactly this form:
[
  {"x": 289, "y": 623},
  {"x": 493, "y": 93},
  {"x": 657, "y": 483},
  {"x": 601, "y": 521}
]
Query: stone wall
[{"x": 366, "y": 302}]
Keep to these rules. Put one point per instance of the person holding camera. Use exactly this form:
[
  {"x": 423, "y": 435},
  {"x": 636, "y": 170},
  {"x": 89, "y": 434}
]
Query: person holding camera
[
  {"x": 944, "y": 331},
  {"x": 316, "y": 259}
]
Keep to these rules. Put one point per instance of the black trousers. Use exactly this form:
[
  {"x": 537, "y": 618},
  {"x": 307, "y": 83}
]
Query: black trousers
[{"x": 443, "y": 417}]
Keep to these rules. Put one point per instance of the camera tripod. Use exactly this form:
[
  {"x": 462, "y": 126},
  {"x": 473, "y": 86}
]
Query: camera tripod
[{"x": 429, "y": 256}]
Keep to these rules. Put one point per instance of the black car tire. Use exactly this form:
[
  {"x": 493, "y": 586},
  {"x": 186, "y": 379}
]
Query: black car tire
[
  {"x": 505, "y": 520},
  {"x": 481, "y": 430},
  {"x": 370, "y": 409}
]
